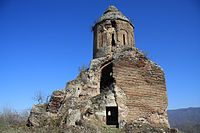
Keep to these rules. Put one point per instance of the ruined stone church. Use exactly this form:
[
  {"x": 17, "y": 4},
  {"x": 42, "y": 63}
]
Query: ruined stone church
[{"x": 121, "y": 84}]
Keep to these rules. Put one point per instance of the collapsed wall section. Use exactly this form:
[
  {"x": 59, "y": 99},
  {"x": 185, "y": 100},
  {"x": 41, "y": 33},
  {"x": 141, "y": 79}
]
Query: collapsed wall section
[
  {"x": 127, "y": 80},
  {"x": 143, "y": 83}
]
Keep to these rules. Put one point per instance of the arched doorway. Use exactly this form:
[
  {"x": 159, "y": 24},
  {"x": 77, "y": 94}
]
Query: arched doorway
[{"x": 107, "y": 79}]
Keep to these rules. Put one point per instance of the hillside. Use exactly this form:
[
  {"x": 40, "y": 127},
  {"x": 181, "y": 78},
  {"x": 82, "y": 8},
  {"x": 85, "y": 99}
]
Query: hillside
[{"x": 187, "y": 119}]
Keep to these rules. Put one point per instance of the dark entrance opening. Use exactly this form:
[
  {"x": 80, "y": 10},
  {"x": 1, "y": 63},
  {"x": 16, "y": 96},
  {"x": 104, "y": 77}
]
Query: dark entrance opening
[
  {"x": 112, "y": 116},
  {"x": 106, "y": 78}
]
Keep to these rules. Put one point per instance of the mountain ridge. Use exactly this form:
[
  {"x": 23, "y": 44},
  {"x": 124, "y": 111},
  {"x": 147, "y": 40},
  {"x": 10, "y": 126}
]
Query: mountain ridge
[{"x": 185, "y": 119}]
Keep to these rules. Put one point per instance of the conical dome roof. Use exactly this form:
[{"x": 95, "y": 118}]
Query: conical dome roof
[{"x": 113, "y": 13}]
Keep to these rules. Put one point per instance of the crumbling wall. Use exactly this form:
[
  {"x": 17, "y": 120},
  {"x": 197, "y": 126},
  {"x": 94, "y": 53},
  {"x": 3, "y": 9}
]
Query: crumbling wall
[
  {"x": 138, "y": 90},
  {"x": 119, "y": 75},
  {"x": 144, "y": 85}
]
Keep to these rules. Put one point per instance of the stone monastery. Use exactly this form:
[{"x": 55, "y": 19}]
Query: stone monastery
[{"x": 121, "y": 85}]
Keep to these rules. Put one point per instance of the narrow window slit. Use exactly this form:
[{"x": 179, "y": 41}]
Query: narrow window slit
[
  {"x": 124, "y": 41},
  {"x": 113, "y": 23},
  {"x": 113, "y": 40}
]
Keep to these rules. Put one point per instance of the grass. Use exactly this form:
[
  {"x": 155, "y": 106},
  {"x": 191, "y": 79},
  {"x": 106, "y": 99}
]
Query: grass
[{"x": 13, "y": 122}]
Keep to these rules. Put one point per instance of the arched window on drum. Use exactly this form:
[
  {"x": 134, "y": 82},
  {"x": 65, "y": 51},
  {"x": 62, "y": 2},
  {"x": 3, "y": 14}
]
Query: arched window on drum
[{"x": 123, "y": 37}]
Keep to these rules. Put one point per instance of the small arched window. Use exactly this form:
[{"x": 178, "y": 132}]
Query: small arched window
[
  {"x": 124, "y": 39},
  {"x": 113, "y": 40},
  {"x": 113, "y": 23}
]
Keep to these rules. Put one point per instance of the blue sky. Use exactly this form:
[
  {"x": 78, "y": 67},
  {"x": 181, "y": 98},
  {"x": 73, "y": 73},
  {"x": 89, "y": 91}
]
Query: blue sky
[{"x": 44, "y": 42}]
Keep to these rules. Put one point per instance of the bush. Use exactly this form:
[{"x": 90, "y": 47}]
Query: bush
[{"x": 11, "y": 117}]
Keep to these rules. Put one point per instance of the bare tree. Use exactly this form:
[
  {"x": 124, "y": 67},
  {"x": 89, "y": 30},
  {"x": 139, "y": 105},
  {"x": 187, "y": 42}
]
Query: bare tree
[
  {"x": 39, "y": 97},
  {"x": 82, "y": 68}
]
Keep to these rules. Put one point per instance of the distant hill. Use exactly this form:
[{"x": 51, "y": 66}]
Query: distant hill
[{"x": 186, "y": 120}]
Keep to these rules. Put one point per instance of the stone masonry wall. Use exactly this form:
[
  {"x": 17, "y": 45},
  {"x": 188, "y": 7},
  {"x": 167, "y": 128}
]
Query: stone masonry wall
[
  {"x": 144, "y": 85},
  {"x": 138, "y": 90},
  {"x": 119, "y": 75},
  {"x": 112, "y": 31}
]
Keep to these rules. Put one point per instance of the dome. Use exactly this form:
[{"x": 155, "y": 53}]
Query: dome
[{"x": 113, "y": 13}]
